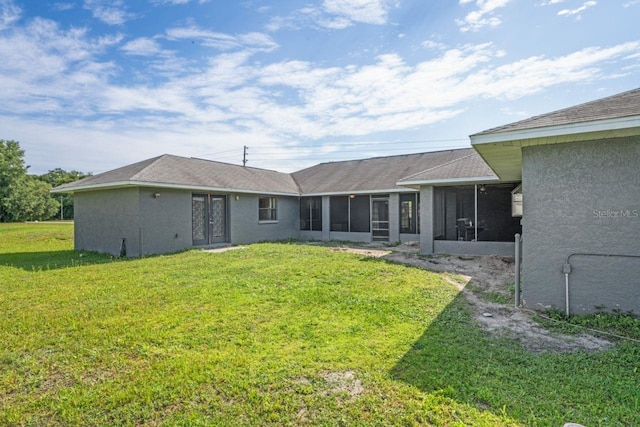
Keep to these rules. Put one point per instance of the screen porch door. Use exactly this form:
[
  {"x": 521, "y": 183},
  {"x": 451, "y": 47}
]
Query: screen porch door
[{"x": 380, "y": 219}]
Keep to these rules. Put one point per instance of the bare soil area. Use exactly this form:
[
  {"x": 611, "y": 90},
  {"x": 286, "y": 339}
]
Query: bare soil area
[{"x": 487, "y": 282}]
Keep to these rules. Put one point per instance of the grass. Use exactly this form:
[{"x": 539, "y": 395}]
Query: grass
[{"x": 274, "y": 334}]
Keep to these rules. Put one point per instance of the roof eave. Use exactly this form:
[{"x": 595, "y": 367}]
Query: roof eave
[
  {"x": 502, "y": 151},
  {"x": 132, "y": 184},
  {"x": 450, "y": 181},
  {"x": 558, "y": 130},
  {"x": 359, "y": 192}
]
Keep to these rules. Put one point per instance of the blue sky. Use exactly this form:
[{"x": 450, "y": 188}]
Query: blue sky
[{"x": 96, "y": 84}]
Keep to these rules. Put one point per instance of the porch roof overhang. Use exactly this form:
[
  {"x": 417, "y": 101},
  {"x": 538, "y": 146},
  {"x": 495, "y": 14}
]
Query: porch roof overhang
[
  {"x": 502, "y": 151},
  {"x": 359, "y": 192},
  {"x": 450, "y": 181},
  {"x": 158, "y": 185}
]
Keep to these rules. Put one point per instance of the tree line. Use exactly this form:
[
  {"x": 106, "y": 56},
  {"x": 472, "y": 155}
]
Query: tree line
[{"x": 25, "y": 197}]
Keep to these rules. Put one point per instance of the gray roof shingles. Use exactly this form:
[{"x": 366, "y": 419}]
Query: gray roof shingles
[
  {"x": 625, "y": 104},
  {"x": 367, "y": 175},
  {"x": 190, "y": 172},
  {"x": 471, "y": 166},
  {"x": 375, "y": 174}
]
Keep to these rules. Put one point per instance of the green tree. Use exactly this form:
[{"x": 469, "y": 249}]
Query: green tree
[
  {"x": 56, "y": 177},
  {"x": 29, "y": 199},
  {"x": 22, "y": 197}
]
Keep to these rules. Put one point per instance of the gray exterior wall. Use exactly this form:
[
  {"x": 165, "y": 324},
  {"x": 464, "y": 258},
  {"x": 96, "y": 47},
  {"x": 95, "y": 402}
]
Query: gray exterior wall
[
  {"x": 406, "y": 238},
  {"x": 154, "y": 225},
  {"x": 394, "y": 217},
  {"x": 244, "y": 224},
  {"x": 473, "y": 248},
  {"x": 350, "y": 237},
  {"x": 426, "y": 219},
  {"x": 165, "y": 222},
  {"x": 582, "y": 198},
  {"x": 104, "y": 218},
  {"x": 161, "y": 225}
]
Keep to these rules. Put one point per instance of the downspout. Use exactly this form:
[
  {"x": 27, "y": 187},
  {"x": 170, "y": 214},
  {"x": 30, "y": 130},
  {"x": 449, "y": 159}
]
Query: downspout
[{"x": 566, "y": 269}]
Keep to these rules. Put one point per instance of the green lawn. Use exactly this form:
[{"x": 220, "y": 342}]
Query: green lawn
[{"x": 279, "y": 334}]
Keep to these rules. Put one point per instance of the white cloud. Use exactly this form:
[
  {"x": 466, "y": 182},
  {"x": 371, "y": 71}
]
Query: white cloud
[
  {"x": 335, "y": 14},
  {"x": 111, "y": 12},
  {"x": 61, "y": 78},
  {"x": 142, "y": 46},
  {"x": 386, "y": 95},
  {"x": 484, "y": 16},
  {"x": 9, "y": 13},
  {"x": 171, "y": 2},
  {"x": 48, "y": 70},
  {"x": 222, "y": 41},
  {"x": 577, "y": 11},
  {"x": 365, "y": 11},
  {"x": 176, "y": 2},
  {"x": 430, "y": 44},
  {"x": 60, "y": 6},
  {"x": 630, "y": 3}
]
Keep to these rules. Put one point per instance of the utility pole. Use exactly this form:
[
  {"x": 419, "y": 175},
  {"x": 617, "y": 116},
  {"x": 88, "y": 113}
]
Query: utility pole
[
  {"x": 244, "y": 156},
  {"x": 61, "y": 208}
]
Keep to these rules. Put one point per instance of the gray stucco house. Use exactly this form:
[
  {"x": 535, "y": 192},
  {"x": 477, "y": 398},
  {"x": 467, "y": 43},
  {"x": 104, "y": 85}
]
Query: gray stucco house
[
  {"x": 169, "y": 203},
  {"x": 580, "y": 174},
  {"x": 569, "y": 181}
]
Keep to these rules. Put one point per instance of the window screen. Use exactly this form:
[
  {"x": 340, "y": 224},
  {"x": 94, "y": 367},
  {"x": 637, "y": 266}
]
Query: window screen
[
  {"x": 360, "y": 214},
  {"x": 311, "y": 213},
  {"x": 339, "y": 210},
  {"x": 408, "y": 213}
]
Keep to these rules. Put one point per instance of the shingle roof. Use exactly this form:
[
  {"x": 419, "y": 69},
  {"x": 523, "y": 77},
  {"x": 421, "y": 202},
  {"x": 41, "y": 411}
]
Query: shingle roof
[
  {"x": 367, "y": 175},
  {"x": 624, "y": 104},
  {"x": 190, "y": 172},
  {"x": 470, "y": 166},
  {"x": 375, "y": 174}
]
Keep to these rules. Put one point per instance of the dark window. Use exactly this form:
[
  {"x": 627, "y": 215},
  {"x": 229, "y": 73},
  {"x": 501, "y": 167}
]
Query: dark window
[
  {"x": 311, "y": 213},
  {"x": 267, "y": 209},
  {"x": 408, "y": 213},
  {"x": 360, "y": 214},
  {"x": 339, "y": 210}
]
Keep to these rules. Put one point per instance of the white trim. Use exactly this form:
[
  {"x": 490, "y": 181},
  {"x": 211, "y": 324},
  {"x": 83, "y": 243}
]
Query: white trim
[
  {"x": 470, "y": 180},
  {"x": 558, "y": 130},
  {"x": 127, "y": 184},
  {"x": 359, "y": 192}
]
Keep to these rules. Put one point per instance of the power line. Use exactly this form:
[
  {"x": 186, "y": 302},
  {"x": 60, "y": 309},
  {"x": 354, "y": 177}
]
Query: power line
[
  {"x": 296, "y": 154},
  {"x": 383, "y": 142},
  {"x": 343, "y": 144},
  {"x": 217, "y": 152},
  {"x": 352, "y": 151}
]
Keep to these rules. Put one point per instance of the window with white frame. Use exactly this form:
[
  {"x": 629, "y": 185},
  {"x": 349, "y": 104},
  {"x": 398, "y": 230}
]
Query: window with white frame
[{"x": 268, "y": 208}]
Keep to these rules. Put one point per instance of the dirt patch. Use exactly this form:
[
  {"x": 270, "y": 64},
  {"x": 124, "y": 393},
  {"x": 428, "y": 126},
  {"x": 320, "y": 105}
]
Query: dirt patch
[
  {"x": 375, "y": 253},
  {"x": 487, "y": 282},
  {"x": 343, "y": 382},
  {"x": 224, "y": 248}
]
